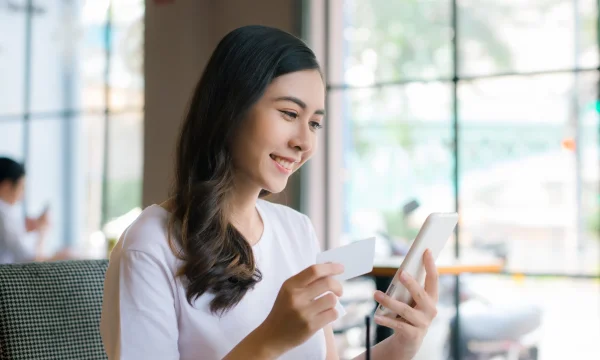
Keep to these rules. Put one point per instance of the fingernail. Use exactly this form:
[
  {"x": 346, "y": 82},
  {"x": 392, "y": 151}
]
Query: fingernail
[
  {"x": 337, "y": 265},
  {"x": 378, "y": 318},
  {"x": 379, "y": 295},
  {"x": 403, "y": 276}
]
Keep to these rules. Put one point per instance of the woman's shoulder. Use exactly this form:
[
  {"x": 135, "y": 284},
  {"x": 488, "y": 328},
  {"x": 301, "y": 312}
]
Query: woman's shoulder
[{"x": 148, "y": 233}]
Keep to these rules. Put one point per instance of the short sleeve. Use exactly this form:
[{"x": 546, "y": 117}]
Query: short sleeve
[{"x": 138, "y": 312}]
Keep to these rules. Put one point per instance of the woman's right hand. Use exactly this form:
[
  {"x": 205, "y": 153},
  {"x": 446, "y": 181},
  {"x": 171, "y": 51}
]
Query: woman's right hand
[{"x": 296, "y": 315}]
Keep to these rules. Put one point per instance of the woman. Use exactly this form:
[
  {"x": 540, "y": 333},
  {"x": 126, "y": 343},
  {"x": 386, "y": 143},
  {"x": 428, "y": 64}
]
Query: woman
[
  {"x": 13, "y": 230},
  {"x": 217, "y": 273}
]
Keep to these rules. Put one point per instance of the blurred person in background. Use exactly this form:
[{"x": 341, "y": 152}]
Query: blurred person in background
[{"x": 13, "y": 230}]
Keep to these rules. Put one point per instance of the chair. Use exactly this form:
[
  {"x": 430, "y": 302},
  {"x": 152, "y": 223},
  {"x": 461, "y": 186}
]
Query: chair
[{"x": 51, "y": 310}]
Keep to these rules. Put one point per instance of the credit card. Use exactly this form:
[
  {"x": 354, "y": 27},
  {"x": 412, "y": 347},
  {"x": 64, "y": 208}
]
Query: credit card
[{"x": 357, "y": 258}]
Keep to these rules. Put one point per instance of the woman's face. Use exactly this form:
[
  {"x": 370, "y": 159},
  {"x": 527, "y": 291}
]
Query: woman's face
[{"x": 280, "y": 133}]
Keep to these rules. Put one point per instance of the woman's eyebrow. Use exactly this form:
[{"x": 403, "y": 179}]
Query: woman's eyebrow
[{"x": 298, "y": 102}]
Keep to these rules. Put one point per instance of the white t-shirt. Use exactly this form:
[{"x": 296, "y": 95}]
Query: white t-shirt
[
  {"x": 145, "y": 312},
  {"x": 13, "y": 236}
]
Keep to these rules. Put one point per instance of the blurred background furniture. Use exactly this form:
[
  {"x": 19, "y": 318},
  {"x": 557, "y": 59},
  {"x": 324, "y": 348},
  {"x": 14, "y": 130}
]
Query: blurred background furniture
[{"x": 51, "y": 310}]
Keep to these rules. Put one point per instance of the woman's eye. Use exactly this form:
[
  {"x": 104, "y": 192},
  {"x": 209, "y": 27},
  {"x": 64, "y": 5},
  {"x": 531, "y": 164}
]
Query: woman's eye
[
  {"x": 315, "y": 125},
  {"x": 289, "y": 115}
]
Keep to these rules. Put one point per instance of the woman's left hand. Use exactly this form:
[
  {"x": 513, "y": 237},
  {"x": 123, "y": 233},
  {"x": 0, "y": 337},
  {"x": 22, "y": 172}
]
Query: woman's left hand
[{"x": 412, "y": 325}]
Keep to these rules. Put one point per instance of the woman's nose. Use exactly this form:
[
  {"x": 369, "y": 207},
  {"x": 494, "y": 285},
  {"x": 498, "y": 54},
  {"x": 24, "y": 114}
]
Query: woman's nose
[{"x": 302, "y": 139}]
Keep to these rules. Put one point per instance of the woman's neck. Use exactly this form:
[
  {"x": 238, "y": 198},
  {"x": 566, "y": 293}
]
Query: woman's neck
[{"x": 242, "y": 214}]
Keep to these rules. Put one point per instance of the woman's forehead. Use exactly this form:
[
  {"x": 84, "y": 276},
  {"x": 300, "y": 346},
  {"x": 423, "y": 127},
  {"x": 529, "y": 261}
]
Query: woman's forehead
[{"x": 306, "y": 86}]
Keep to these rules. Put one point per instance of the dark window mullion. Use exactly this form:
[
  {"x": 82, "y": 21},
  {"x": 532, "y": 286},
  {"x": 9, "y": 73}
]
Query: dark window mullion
[
  {"x": 27, "y": 88},
  {"x": 69, "y": 223},
  {"x": 106, "y": 142},
  {"x": 456, "y": 333},
  {"x": 575, "y": 115},
  {"x": 69, "y": 113},
  {"x": 401, "y": 82},
  {"x": 598, "y": 94}
]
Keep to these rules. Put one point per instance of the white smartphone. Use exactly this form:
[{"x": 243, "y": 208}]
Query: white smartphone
[{"x": 434, "y": 234}]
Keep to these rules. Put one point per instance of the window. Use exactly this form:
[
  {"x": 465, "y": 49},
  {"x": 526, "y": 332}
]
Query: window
[
  {"x": 500, "y": 124},
  {"x": 71, "y": 108},
  {"x": 487, "y": 108}
]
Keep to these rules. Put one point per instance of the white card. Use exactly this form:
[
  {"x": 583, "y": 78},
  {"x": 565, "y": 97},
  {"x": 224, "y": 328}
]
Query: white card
[{"x": 357, "y": 258}]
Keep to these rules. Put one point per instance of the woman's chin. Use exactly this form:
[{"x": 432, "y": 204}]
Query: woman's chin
[{"x": 275, "y": 186}]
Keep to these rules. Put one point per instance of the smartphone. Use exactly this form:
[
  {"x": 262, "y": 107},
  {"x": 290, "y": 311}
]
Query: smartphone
[{"x": 434, "y": 234}]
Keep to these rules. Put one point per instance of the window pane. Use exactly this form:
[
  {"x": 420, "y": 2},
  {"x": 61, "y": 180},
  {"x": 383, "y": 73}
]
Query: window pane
[
  {"x": 125, "y": 163},
  {"x": 11, "y": 139},
  {"x": 515, "y": 36},
  {"x": 534, "y": 306},
  {"x": 589, "y": 150},
  {"x": 89, "y": 175},
  {"x": 127, "y": 46},
  {"x": 68, "y": 56},
  {"x": 91, "y": 55},
  {"x": 386, "y": 40},
  {"x": 518, "y": 175},
  {"x": 12, "y": 58},
  {"x": 69, "y": 176},
  {"x": 397, "y": 148},
  {"x": 588, "y": 33},
  {"x": 52, "y": 30},
  {"x": 47, "y": 182}
]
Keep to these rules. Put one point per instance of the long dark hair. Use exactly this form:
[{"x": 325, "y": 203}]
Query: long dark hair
[{"x": 216, "y": 257}]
